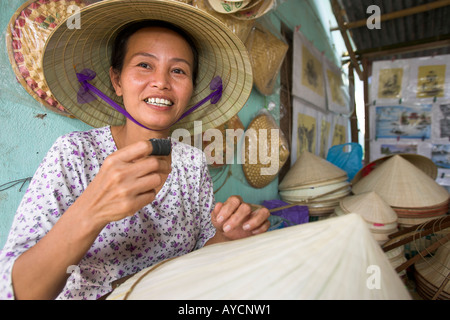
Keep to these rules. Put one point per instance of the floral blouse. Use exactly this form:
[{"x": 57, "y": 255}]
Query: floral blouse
[{"x": 175, "y": 223}]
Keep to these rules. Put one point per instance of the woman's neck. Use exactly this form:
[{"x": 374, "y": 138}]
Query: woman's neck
[{"x": 129, "y": 133}]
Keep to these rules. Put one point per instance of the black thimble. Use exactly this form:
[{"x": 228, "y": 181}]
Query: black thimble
[{"x": 161, "y": 147}]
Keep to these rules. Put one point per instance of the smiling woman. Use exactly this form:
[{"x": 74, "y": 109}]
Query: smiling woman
[{"x": 101, "y": 200}]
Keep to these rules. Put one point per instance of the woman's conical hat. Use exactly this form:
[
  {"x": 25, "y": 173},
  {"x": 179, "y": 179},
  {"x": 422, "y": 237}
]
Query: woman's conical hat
[
  {"x": 401, "y": 184},
  {"x": 370, "y": 206},
  {"x": 310, "y": 169},
  {"x": 336, "y": 258}
]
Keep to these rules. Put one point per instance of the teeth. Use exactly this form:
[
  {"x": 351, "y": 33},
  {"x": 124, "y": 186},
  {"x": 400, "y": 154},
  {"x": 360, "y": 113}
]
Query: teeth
[{"x": 158, "y": 102}]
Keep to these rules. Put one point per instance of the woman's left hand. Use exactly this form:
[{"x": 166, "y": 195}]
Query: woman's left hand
[{"x": 234, "y": 219}]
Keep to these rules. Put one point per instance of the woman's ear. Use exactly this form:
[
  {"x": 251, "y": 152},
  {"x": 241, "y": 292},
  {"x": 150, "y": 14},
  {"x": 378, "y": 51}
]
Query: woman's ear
[{"x": 115, "y": 80}]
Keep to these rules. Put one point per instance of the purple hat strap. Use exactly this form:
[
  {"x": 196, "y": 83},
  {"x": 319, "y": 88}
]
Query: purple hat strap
[{"x": 87, "y": 93}]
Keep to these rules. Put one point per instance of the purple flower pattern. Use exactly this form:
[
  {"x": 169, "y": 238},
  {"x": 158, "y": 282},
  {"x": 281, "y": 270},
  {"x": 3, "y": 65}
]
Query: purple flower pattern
[{"x": 177, "y": 222}]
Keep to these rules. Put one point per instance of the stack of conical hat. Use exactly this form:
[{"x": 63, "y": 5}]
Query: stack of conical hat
[
  {"x": 413, "y": 194},
  {"x": 316, "y": 183},
  {"x": 432, "y": 275},
  {"x": 381, "y": 219}
]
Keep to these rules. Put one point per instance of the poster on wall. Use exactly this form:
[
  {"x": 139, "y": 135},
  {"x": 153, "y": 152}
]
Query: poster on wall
[
  {"x": 308, "y": 81},
  {"x": 305, "y": 126},
  {"x": 440, "y": 155},
  {"x": 388, "y": 81},
  {"x": 441, "y": 123},
  {"x": 402, "y": 122},
  {"x": 429, "y": 79},
  {"x": 340, "y": 133},
  {"x": 386, "y": 147},
  {"x": 338, "y": 98},
  {"x": 325, "y": 121}
]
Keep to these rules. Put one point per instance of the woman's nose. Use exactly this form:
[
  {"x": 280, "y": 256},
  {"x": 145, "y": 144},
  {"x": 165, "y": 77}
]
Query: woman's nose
[{"x": 160, "y": 79}]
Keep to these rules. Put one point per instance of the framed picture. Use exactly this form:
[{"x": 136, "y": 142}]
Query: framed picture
[
  {"x": 405, "y": 122},
  {"x": 308, "y": 81},
  {"x": 305, "y": 127},
  {"x": 338, "y": 98}
]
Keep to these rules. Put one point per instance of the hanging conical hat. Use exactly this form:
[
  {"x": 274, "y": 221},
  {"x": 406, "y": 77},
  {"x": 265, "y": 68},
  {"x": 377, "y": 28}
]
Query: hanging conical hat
[
  {"x": 370, "y": 206},
  {"x": 328, "y": 259},
  {"x": 401, "y": 184},
  {"x": 310, "y": 169}
]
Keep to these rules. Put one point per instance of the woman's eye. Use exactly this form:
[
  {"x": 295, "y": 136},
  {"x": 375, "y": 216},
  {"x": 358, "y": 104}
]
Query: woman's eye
[
  {"x": 180, "y": 71},
  {"x": 144, "y": 65}
]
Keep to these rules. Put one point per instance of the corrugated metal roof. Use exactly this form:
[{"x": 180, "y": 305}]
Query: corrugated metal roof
[{"x": 420, "y": 28}]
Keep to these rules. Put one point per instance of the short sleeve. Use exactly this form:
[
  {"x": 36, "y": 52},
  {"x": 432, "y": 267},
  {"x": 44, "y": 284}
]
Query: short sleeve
[{"x": 53, "y": 188}]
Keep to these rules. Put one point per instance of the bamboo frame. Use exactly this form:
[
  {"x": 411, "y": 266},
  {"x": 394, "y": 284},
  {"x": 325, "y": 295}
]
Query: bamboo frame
[{"x": 337, "y": 10}]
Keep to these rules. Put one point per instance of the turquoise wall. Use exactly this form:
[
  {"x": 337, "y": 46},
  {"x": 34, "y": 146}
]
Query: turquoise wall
[{"x": 28, "y": 129}]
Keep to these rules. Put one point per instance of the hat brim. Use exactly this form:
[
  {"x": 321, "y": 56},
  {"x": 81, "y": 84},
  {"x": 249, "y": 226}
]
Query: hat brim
[{"x": 221, "y": 53}]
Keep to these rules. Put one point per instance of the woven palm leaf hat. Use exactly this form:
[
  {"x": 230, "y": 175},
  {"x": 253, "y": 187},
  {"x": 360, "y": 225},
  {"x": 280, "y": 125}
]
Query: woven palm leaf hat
[
  {"x": 71, "y": 50},
  {"x": 412, "y": 193},
  {"x": 316, "y": 183},
  {"x": 381, "y": 219},
  {"x": 27, "y": 32}
]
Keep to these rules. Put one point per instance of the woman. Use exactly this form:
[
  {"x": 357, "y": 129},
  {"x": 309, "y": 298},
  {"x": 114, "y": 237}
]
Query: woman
[{"x": 100, "y": 203}]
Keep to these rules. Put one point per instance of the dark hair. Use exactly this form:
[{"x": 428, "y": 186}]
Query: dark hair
[{"x": 119, "y": 49}]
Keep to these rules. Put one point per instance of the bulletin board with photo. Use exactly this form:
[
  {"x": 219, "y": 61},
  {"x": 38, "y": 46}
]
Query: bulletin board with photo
[{"x": 410, "y": 110}]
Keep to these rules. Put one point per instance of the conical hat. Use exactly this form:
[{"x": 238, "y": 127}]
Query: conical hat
[
  {"x": 370, "y": 206},
  {"x": 310, "y": 169},
  {"x": 423, "y": 163},
  {"x": 434, "y": 270},
  {"x": 328, "y": 259},
  {"x": 401, "y": 184}
]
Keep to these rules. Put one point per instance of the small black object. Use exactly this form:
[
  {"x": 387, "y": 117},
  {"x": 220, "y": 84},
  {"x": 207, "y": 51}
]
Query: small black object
[{"x": 161, "y": 147}]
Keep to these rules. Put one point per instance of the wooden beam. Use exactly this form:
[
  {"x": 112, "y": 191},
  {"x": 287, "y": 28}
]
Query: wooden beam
[
  {"x": 397, "y": 14},
  {"x": 366, "y": 111},
  {"x": 354, "y": 130},
  {"x": 406, "y": 47},
  {"x": 337, "y": 10}
]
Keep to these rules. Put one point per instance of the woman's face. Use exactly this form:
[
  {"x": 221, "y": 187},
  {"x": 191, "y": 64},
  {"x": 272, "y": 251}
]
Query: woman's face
[{"x": 156, "y": 81}]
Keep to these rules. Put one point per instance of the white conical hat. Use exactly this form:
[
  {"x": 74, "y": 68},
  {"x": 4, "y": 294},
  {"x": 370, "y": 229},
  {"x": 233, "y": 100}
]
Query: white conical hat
[
  {"x": 401, "y": 184},
  {"x": 370, "y": 206},
  {"x": 336, "y": 258},
  {"x": 310, "y": 169}
]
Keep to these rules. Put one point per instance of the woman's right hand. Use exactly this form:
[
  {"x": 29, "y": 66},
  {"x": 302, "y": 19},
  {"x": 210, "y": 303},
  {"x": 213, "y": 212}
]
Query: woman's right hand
[{"x": 126, "y": 182}]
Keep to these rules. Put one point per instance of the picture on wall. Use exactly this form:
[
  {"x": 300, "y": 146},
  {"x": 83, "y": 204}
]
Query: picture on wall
[
  {"x": 306, "y": 133},
  {"x": 440, "y": 155},
  {"x": 305, "y": 126},
  {"x": 389, "y": 79},
  {"x": 338, "y": 98},
  {"x": 444, "y": 121},
  {"x": 325, "y": 129},
  {"x": 340, "y": 131},
  {"x": 388, "y": 149},
  {"x": 390, "y": 83},
  {"x": 308, "y": 81},
  {"x": 431, "y": 81},
  {"x": 409, "y": 122}
]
